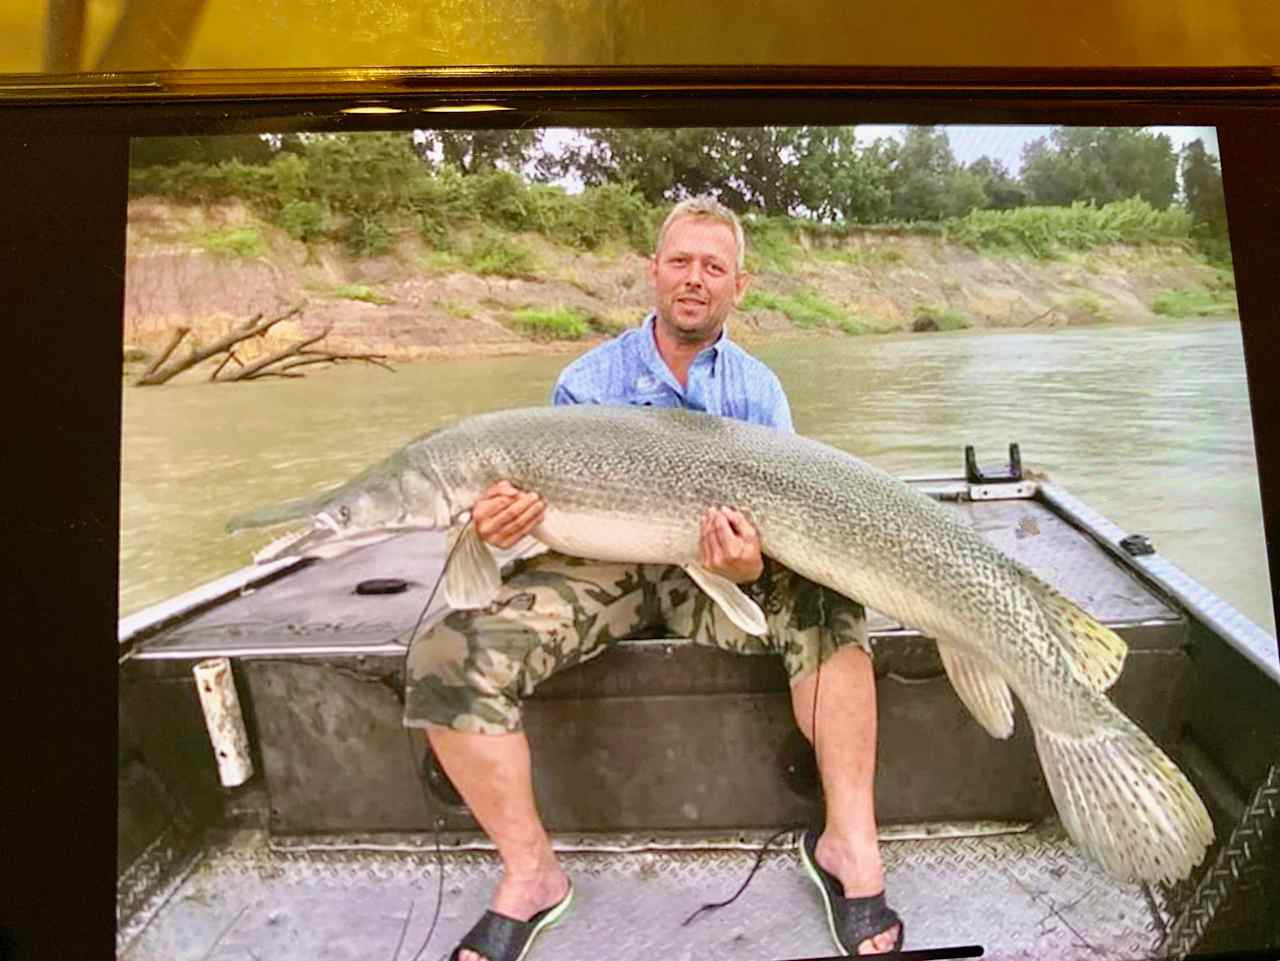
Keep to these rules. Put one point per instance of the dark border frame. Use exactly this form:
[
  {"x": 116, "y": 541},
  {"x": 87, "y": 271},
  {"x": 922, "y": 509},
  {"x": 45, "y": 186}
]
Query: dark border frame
[{"x": 63, "y": 197}]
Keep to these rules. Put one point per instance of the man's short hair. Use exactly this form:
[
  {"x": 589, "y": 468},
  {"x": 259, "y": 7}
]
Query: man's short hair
[{"x": 706, "y": 208}]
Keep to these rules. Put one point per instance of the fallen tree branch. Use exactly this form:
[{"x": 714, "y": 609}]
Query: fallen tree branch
[
  {"x": 231, "y": 355},
  {"x": 248, "y": 371},
  {"x": 281, "y": 363},
  {"x": 174, "y": 340},
  {"x": 254, "y": 327},
  {"x": 323, "y": 357}
]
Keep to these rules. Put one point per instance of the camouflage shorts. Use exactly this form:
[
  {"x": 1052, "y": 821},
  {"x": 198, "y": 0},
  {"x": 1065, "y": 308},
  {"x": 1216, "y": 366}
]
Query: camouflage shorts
[{"x": 470, "y": 669}]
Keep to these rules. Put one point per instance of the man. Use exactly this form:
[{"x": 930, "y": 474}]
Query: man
[{"x": 468, "y": 673}]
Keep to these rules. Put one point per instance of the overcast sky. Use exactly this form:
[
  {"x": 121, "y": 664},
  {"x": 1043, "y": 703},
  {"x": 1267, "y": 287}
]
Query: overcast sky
[{"x": 998, "y": 141}]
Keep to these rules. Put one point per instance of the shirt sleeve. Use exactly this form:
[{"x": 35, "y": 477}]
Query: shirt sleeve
[
  {"x": 571, "y": 387},
  {"x": 561, "y": 394},
  {"x": 781, "y": 419},
  {"x": 776, "y": 410}
]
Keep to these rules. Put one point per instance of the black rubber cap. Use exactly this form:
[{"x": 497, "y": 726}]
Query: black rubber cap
[{"x": 382, "y": 585}]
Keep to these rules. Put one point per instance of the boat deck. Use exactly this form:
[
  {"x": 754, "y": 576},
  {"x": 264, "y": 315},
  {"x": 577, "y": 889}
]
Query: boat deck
[{"x": 1019, "y": 896}]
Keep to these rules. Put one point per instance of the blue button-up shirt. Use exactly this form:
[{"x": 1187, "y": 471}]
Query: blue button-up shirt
[{"x": 723, "y": 379}]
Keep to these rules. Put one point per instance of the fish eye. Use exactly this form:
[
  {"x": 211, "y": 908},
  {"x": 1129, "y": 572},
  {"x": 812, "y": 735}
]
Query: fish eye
[{"x": 344, "y": 513}]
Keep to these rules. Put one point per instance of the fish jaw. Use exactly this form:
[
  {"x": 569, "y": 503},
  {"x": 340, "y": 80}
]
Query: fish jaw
[{"x": 321, "y": 542}]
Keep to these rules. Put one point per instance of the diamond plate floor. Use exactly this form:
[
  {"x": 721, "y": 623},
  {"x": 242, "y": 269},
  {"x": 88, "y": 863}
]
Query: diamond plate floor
[{"x": 1020, "y": 896}]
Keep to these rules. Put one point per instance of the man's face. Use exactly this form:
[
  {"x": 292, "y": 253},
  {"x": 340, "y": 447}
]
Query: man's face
[{"x": 696, "y": 279}]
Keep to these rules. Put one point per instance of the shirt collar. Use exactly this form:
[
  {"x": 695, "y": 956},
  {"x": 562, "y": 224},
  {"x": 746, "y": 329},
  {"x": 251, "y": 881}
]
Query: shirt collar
[{"x": 658, "y": 366}]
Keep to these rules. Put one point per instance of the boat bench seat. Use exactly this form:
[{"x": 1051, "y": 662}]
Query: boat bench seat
[{"x": 656, "y": 734}]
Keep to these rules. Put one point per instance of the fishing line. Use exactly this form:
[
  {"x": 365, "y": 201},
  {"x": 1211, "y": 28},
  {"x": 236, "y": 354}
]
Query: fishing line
[
  {"x": 754, "y": 868},
  {"x": 438, "y": 820},
  {"x": 439, "y": 893},
  {"x": 439, "y": 580},
  {"x": 813, "y": 726}
]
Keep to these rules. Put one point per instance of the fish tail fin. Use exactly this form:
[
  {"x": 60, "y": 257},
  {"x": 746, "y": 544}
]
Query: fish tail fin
[
  {"x": 1094, "y": 652},
  {"x": 1123, "y": 800},
  {"x": 275, "y": 514}
]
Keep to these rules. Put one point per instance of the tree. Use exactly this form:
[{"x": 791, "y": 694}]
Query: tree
[
  {"x": 660, "y": 164},
  {"x": 362, "y": 175},
  {"x": 1001, "y": 190},
  {"x": 1100, "y": 165},
  {"x": 924, "y": 180},
  {"x": 814, "y": 171},
  {"x": 1202, "y": 188},
  {"x": 480, "y": 151}
]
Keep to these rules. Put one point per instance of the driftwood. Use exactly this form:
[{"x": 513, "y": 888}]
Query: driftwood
[
  {"x": 277, "y": 364},
  {"x": 178, "y": 334}
]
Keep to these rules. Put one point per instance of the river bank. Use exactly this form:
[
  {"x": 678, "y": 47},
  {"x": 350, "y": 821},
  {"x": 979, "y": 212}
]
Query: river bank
[{"x": 495, "y": 293}]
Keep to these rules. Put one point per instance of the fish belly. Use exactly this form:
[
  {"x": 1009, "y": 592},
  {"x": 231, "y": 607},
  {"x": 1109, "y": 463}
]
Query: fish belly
[{"x": 617, "y": 537}]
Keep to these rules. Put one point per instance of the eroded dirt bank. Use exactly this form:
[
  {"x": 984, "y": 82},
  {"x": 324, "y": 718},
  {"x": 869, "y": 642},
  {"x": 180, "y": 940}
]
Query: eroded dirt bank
[{"x": 211, "y": 269}]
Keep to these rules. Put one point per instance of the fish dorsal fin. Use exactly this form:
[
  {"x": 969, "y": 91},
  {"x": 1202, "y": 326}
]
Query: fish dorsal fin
[
  {"x": 472, "y": 580},
  {"x": 1095, "y": 653},
  {"x": 983, "y": 691},
  {"x": 742, "y": 610}
]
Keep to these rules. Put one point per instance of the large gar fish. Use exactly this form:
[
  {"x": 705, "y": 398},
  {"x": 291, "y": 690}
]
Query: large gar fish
[{"x": 629, "y": 484}]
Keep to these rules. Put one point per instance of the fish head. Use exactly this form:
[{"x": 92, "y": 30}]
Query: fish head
[{"x": 380, "y": 504}]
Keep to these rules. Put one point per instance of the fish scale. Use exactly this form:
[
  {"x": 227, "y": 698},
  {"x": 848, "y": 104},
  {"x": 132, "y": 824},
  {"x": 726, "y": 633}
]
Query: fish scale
[{"x": 631, "y": 484}]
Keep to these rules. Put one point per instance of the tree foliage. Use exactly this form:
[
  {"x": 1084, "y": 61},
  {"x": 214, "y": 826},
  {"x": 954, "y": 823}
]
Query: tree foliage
[
  {"x": 1202, "y": 187},
  {"x": 481, "y": 151},
  {"x": 363, "y": 189},
  {"x": 1099, "y": 165}
]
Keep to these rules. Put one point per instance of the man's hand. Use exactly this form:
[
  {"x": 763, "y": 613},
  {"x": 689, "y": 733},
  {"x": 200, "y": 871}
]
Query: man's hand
[
  {"x": 503, "y": 514},
  {"x": 729, "y": 546}
]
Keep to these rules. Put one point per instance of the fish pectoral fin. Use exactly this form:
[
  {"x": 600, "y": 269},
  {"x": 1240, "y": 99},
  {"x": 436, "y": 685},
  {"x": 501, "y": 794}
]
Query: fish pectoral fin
[
  {"x": 728, "y": 596},
  {"x": 983, "y": 691},
  {"x": 1095, "y": 653},
  {"x": 471, "y": 580}
]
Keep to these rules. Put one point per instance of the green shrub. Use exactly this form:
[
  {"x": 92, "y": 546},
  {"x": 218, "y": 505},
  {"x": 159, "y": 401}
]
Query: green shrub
[
  {"x": 365, "y": 237},
  {"x": 362, "y": 293},
  {"x": 1091, "y": 304},
  {"x": 492, "y": 254},
  {"x": 1044, "y": 231},
  {"x": 933, "y": 317},
  {"x": 557, "y": 323},
  {"x": 1191, "y": 302},
  {"x": 234, "y": 242},
  {"x": 303, "y": 220},
  {"x": 770, "y": 245},
  {"x": 439, "y": 261}
]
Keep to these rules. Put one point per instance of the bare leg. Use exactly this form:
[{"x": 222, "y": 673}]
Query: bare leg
[
  {"x": 493, "y": 773},
  {"x": 846, "y": 751}
]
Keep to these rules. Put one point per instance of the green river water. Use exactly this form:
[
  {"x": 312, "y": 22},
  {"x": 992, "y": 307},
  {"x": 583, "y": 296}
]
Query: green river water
[{"x": 1148, "y": 425}]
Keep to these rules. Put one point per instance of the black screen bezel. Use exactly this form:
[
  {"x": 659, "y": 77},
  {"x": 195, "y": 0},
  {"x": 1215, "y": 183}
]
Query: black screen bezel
[{"x": 62, "y": 259}]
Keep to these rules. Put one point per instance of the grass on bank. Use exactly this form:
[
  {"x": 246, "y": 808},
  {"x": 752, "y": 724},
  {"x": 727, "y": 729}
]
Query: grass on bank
[
  {"x": 809, "y": 310},
  {"x": 935, "y": 317},
  {"x": 237, "y": 242},
  {"x": 1192, "y": 302},
  {"x": 491, "y": 254},
  {"x": 362, "y": 293},
  {"x": 1091, "y": 305},
  {"x": 556, "y": 323}
]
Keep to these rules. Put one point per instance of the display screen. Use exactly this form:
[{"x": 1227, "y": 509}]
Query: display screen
[{"x": 772, "y": 489}]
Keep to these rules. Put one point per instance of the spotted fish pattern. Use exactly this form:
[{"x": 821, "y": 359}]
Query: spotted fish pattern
[{"x": 630, "y": 485}]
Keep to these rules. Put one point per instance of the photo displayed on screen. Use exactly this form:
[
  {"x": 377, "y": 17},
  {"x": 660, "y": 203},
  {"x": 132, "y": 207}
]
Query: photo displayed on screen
[{"x": 529, "y": 503}]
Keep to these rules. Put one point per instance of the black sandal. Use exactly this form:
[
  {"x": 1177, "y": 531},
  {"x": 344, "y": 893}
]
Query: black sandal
[
  {"x": 500, "y": 938},
  {"x": 852, "y": 920}
]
